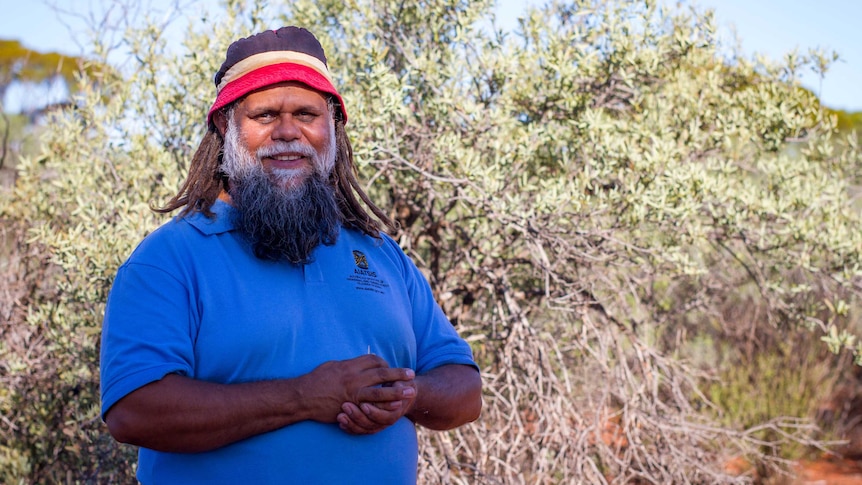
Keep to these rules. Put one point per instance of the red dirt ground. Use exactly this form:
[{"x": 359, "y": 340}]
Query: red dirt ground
[{"x": 829, "y": 472}]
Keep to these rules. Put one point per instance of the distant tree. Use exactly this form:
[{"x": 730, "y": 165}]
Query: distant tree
[
  {"x": 22, "y": 65},
  {"x": 846, "y": 121}
]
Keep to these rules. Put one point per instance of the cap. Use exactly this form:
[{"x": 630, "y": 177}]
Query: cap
[{"x": 287, "y": 54}]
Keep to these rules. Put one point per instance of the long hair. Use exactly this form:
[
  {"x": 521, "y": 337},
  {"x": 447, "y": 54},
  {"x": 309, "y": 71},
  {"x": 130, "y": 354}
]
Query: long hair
[{"x": 205, "y": 181}]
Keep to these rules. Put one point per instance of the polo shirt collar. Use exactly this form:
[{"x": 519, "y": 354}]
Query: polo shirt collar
[{"x": 221, "y": 223}]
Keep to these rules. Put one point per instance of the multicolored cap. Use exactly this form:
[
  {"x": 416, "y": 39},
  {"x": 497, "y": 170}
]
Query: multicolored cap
[{"x": 271, "y": 57}]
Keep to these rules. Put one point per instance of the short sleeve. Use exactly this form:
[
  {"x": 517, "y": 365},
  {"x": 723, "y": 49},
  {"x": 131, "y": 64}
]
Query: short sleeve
[
  {"x": 437, "y": 341},
  {"x": 147, "y": 331}
]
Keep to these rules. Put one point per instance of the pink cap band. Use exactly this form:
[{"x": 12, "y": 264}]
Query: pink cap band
[{"x": 270, "y": 75}]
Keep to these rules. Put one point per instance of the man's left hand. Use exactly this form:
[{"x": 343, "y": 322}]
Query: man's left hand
[{"x": 369, "y": 418}]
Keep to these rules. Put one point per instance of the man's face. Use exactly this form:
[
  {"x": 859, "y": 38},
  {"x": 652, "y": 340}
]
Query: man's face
[
  {"x": 285, "y": 203},
  {"x": 289, "y": 128}
]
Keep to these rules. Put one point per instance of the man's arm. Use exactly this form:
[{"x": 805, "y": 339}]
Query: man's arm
[
  {"x": 181, "y": 414},
  {"x": 447, "y": 397}
]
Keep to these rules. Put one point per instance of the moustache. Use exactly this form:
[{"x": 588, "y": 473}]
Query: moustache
[{"x": 286, "y": 146}]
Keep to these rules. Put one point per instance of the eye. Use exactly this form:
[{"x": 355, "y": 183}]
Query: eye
[
  {"x": 306, "y": 115},
  {"x": 264, "y": 116}
]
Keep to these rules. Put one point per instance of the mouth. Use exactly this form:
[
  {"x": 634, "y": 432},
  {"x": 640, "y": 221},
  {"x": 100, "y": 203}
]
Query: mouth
[
  {"x": 287, "y": 161},
  {"x": 286, "y": 157}
]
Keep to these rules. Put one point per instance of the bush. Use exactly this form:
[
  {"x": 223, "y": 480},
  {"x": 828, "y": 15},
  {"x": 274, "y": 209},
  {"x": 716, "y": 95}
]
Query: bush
[{"x": 590, "y": 199}]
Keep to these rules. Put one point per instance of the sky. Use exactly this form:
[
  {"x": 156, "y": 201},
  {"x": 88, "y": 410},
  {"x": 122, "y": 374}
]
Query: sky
[
  {"x": 769, "y": 27},
  {"x": 775, "y": 27}
]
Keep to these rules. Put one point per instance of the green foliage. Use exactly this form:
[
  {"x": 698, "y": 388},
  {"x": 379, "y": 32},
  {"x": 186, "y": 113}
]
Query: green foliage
[
  {"x": 592, "y": 198},
  {"x": 790, "y": 381},
  {"x": 847, "y": 122},
  {"x": 17, "y": 138}
]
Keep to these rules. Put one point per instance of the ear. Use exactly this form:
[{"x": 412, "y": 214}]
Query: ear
[{"x": 220, "y": 121}]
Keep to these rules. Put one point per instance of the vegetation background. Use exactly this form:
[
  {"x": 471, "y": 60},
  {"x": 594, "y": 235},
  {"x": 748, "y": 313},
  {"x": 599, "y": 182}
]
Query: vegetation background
[{"x": 651, "y": 241}]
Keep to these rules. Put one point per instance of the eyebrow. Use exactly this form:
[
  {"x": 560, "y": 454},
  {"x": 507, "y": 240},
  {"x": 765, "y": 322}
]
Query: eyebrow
[{"x": 277, "y": 107}]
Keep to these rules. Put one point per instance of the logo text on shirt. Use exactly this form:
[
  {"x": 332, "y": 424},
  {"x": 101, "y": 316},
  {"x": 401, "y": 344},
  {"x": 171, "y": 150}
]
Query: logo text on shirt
[{"x": 364, "y": 278}]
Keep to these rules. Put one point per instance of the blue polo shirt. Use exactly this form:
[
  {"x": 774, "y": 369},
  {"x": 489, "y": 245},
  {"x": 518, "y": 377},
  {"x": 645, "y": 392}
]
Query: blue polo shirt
[{"x": 193, "y": 299}]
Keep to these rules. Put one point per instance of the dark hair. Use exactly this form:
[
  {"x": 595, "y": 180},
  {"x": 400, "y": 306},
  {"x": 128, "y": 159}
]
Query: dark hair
[{"x": 205, "y": 182}]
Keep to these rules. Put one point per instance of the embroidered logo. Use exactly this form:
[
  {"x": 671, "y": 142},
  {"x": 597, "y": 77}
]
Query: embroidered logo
[{"x": 360, "y": 259}]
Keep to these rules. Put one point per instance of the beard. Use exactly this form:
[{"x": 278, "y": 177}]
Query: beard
[{"x": 283, "y": 217}]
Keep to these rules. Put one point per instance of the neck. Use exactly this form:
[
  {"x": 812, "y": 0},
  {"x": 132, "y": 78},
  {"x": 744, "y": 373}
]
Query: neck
[{"x": 225, "y": 197}]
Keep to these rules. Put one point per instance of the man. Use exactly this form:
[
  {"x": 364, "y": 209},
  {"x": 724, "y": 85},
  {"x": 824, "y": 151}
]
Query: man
[{"x": 271, "y": 333}]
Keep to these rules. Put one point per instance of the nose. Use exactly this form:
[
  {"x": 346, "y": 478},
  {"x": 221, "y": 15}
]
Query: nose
[{"x": 287, "y": 129}]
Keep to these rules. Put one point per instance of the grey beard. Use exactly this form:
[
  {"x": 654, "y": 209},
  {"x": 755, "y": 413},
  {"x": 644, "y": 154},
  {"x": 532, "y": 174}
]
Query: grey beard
[
  {"x": 285, "y": 225},
  {"x": 281, "y": 224}
]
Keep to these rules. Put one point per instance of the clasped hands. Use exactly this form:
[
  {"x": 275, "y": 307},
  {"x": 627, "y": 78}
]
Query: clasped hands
[{"x": 366, "y": 394}]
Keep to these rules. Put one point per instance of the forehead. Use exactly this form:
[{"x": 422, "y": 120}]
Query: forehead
[{"x": 286, "y": 95}]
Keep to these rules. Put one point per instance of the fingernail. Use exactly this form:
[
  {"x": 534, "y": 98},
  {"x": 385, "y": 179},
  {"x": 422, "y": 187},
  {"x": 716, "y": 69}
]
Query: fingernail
[
  {"x": 366, "y": 408},
  {"x": 408, "y": 392},
  {"x": 410, "y": 373}
]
